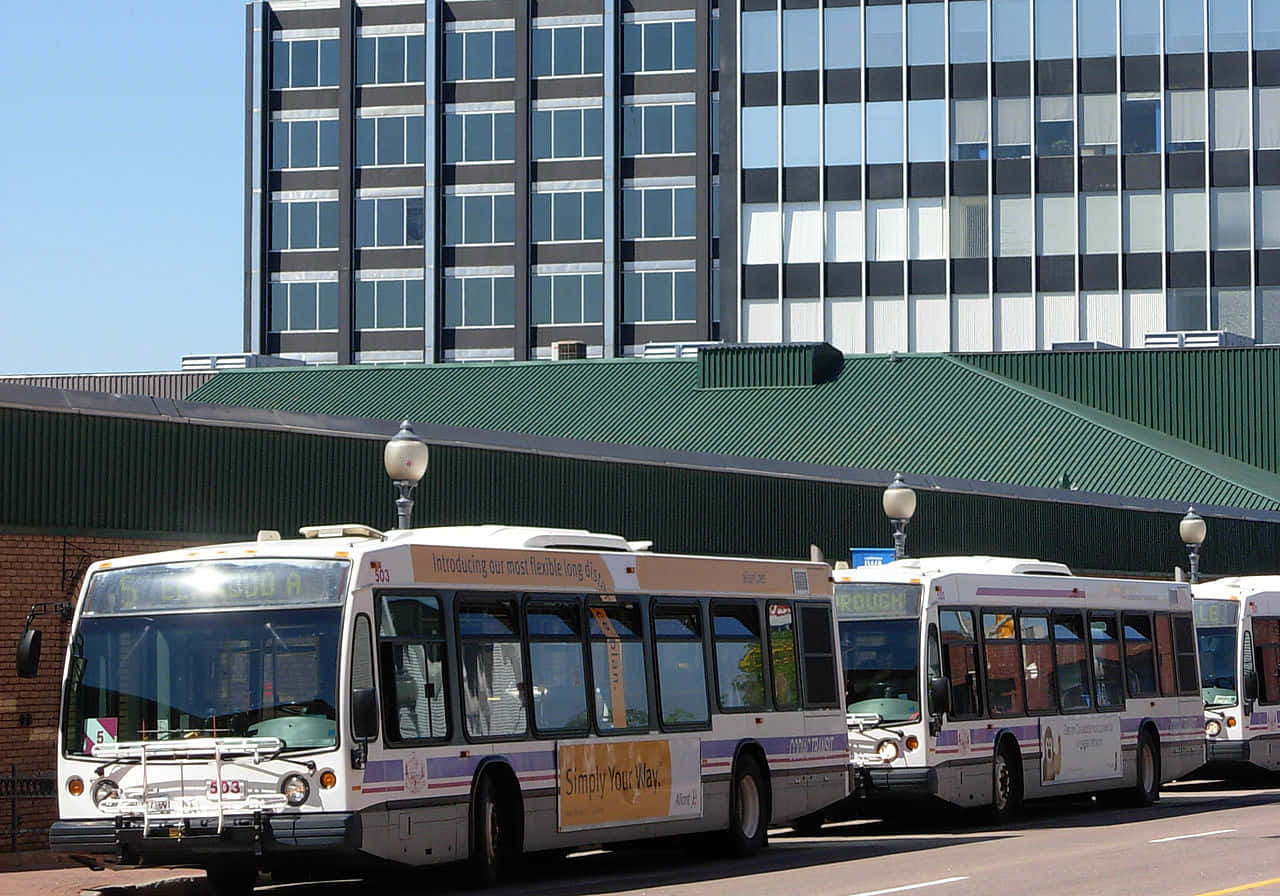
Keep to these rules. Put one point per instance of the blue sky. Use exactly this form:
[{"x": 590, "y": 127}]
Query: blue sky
[{"x": 122, "y": 190}]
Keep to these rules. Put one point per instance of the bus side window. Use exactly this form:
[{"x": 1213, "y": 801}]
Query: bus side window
[
  {"x": 1108, "y": 674},
  {"x": 818, "y": 643},
  {"x": 960, "y": 640},
  {"x": 1072, "y": 661},
  {"x": 1139, "y": 655},
  {"x": 493, "y": 692},
  {"x": 782, "y": 655},
  {"x": 1266, "y": 648},
  {"x": 1005, "y": 692},
  {"x": 617, "y": 665},
  {"x": 1164, "y": 654},
  {"x": 739, "y": 670},
  {"x": 1037, "y": 663},
  {"x": 556, "y": 664},
  {"x": 682, "y": 669},
  {"x": 411, "y": 638},
  {"x": 1184, "y": 643}
]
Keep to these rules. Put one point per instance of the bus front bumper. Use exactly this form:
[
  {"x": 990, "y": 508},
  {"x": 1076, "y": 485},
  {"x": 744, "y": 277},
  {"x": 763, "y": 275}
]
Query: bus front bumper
[
  {"x": 192, "y": 839},
  {"x": 872, "y": 782},
  {"x": 1228, "y": 751}
]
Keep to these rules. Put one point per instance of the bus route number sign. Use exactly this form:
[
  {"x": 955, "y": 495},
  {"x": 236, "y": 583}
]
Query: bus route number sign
[{"x": 1216, "y": 612}]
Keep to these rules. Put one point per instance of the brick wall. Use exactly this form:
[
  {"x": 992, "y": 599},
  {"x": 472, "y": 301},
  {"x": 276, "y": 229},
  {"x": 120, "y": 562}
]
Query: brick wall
[{"x": 35, "y": 569}]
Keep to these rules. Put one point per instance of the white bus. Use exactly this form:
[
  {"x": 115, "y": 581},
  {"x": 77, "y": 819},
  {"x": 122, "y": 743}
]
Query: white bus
[
  {"x": 1238, "y": 627},
  {"x": 983, "y": 680},
  {"x": 357, "y": 698}
]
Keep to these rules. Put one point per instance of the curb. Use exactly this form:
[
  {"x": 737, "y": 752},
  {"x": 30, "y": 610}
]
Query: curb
[{"x": 191, "y": 885}]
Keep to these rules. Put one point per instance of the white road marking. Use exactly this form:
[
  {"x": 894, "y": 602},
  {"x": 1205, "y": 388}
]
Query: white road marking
[
  {"x": 1193, "y": 836},
  {"x": 930, "y": 883}
]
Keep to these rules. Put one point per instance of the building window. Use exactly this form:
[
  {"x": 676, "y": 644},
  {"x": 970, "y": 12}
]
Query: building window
[
  {"x": 1266, "y": 25},
  {"x": 886, "y": 230},
  {"x": 659, "y": 296},
  {"x": 799, "y": 40},
  {"x": 1267, "y": 206},
  {"x": 1186, "y": 120},
  {"x": 800, "y": 136},
  {"x": 567, "y": 216},
  {"x": 304, "y": 225},
  {"x": 658, "y": 47},
  {"x": 715, "y": 41},
  {"x": 308, "y": 143},
  {"x": 390, "y": 304},
  {"x": 1229, "y": 218},
  {"x": 926, "y": 228},
  {"x": 968, "y": 31},
  {"x": 884, "y": 131},
  {"x": 483, "y": 219},
  {"x": 1055, "y": 128},
  {"x": 659, "y": 212},
  {"x": 304, "y": 307},
  {"x": 842, "y": 132},
  {"x": 1099, "y": 133},
  {"x": 715, "y": 211},
  {"x": 801, "y": 233},
  {"x": 1184, "y": 26},
  {"x": 1231, "y": 310},
  {"x": 969, "y": 130},
  {"x": 390, "y": 140},
  {"x": 1054, "y": 30},
  {"x": 1098, "y": 40},
  {"x": 884, "y": 36},
  {"x": 1013, "y": 127},
  {"x": 715, "y": 124},
  {"x": 1012, "y": 226},
  {"x": 841, "y": 36},
  {"x": 478, "y": 136},
  {"x": 760, "y": 137},
  {"x": 478, "y": 301},
  {"x": 761, "y": 233},
  {"x": 1229, "y": 118},
  {"x": 1011, "y": 30},
  {"x": 571, "y": 50},
  {"x": 388, "y": 222},
  {"x": 395, "y": 59},
  {"x": 657, "y": 130},
  {"x": 1140, "y": 27},
  {"x": 926, "y": 39},
  {"x": 304, "y": 63},
  {"x": 1055, "y": 225},
  {"x": 1144, "y": 222},
  {"x": 566, "y": 299},
  {"x": 1186, "y": 221},
  {"x": 1186, "y": 310},
  {"x": 1140, "y": 122},
  {"x": 568, "y": 133},
  {"x": 479, "y": 55},
  {"x": 1267, "y": 117},
  {"x": 1099, "y": 223},
  {"x": 759, "y": 41},
  {"x": 1228, "y": 25},
  {"x": 927, "y": 130},
  {"x": 969, "y": 222}
]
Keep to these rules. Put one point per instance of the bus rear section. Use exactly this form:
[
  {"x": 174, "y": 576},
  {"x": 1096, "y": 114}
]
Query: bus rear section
[
  {"x": 985, "y": 681},
  {"x": 1238, "y": 632}
]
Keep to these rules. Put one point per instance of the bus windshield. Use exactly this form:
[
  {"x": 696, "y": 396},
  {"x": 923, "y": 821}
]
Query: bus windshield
[
  {"x": 1217, "y": 665},
  {"x": 251, "y": 673},
  {"x": 882, "y": 667}
]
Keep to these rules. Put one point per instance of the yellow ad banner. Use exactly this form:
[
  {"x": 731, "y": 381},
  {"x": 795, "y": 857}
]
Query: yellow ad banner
[{"x": 608, "y": 783}]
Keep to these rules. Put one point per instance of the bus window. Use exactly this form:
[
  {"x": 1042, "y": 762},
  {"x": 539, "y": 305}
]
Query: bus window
[
  {"x": 1072, "y": 661},
  {"x": 493, "y": 694},
  {"x": 411, "y": 632},
  {"x": 617, "y": 663},
  {"x": 1139, "y": 655},
  {"x": 739, "y": 670},
  {"x": 1108, "y": 676},
  {"x": 1037, "y": 663},
  {"x": 1005, "y": 694},
  {"x": 556, "y": 665},
  {"x": 1184, "y": 643},
  {"x": 819, "y": 657},
  {"x": 782, "y": 656},
  {"x": 961, "y": 655},
  {"x": 1266, "y": 647},
  {"x": 682, "y": 671},
  {"x": 1164, "y": 654}
]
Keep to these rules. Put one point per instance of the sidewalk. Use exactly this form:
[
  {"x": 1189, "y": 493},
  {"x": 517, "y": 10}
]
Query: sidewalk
[{"x": 44, "y": 874}]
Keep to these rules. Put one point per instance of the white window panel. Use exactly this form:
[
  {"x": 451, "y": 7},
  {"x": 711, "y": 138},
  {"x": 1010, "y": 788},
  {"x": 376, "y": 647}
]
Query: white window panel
[
  {"x": 969, "y": 121},
  {"x": 971, "y": 324},
  {"x": 1187, "y": 225},
  {"x": 844, "y": 237},
  {"x": 1013, "y": 121},
  {"x": 969, "y": 226},
  {"x": 1056, "y": 222},
  {"x": 1100, "y": 223},
  {"x": 1267, "y": 118},
  {"x": 1014, "y": 235},
  {"x": 1144, "y": 222},
  {"x": 760, "y": 234},
  {"x": 888, "y": 325},
  {"x": 1229, "y": 215},
  {"x": 761, "y": 320},
  {"x": 1015, "y": 323},
  {"x": 1145, "y": 313},
  {"x": 887, "y": 221},
  {"x": 1103, "y": 317},
  {"x": 1229, "y": 118},
  {"x": 930, "y": 324},
  {"x": 928, "y": 223},
  {"x": 1059, "y": 319},
  {"x": 1186, "y": 116},
  {"x": 802, "y": 320},
  {"x": 1267, "y": 225},
  {"x": 802, "y": 232},
  {"x": 1098, "y": 120},
  {"x": 846, "y": 325}
]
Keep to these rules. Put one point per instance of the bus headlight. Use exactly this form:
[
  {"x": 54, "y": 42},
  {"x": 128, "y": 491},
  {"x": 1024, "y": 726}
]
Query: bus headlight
[
  {"x": 296, "y": 790},
  {"x": 1212, "y": 728},
  {"x": 887, "y": 750},
  {"x": 104, "y": 789}
]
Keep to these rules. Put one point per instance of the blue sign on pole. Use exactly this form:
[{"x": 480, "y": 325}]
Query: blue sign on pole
[{"x": 870, "y": 556}]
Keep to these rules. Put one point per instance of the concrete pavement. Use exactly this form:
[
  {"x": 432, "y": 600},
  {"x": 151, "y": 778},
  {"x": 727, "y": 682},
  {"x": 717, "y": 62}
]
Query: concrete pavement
[{"x": 44, "y": 874}]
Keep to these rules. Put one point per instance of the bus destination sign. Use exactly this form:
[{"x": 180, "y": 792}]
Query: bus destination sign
[
  {"x": 1215, "y": 612},
  {"x": 866, "y": 599}
]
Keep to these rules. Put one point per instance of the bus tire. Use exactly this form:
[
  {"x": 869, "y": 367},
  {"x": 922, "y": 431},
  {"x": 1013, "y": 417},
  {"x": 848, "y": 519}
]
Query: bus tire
[
  {"x": 1146, "y": 785},
  {"x": 231, "y": 881},
  {"x": 1006, "y": 784},
  {"x": 748, "y": 808},
  {"x": 496, "y": 840}
]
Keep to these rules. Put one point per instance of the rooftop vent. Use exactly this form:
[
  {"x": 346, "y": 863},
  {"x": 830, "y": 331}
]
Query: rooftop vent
[
  {"x": 674, "y": 349},
  {"x": 568, "y": 350},
  {"x": 787, "y": 366},
  {"x": 1084, "y": 346},
  {"x": 237, "y": 361},
  {"x": 1196, "y": 339}
]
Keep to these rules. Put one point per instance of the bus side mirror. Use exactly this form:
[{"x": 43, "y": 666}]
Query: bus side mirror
[
  {"x": 1250, "y": 685},
  {"x": 939, "y": 696},
  {"x": 29, "y": 653},
  {"x": 364, "y": 713}
]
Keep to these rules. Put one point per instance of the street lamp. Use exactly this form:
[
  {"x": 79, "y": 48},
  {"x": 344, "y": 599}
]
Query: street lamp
[
  {"x": 405, "y": 458},
  {"x": 899, "y": 504},
  {"x": 1192, "y": 530}
]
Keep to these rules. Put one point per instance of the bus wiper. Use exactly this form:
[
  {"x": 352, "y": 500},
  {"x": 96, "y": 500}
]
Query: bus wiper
[{"x": 865, "y": 720}]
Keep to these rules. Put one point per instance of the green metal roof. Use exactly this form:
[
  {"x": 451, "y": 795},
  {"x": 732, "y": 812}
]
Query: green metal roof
[{"x": 927, "y": 415}]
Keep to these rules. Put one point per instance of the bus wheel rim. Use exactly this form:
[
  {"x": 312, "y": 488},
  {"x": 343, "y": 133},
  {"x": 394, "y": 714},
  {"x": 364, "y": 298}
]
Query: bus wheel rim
[
  {"x": 1148, "y": 769},
  {"x": 748, "y": 806},
  {"x": 1004, "y": 784}
]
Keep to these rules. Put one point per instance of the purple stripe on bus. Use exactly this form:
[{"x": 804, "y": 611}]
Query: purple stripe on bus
[
  {"x": 381, "y": 771},
  {"x": 948, "y": 738},
  {"x": 541, "y": 760}
]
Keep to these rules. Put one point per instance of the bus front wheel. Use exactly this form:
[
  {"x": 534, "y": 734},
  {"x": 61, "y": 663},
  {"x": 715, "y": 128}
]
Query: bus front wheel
[
  {"x": 748, "y": 808},
  {"x": 1006, "y": 785},
  {"x": 496, "y": 839}
]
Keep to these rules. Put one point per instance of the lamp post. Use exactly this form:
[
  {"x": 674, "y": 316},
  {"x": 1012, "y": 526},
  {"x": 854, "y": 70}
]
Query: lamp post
[
  {"x": 405, "y": 459},
  {"x": 1192, "y": 530},
  {"x": 899, "y": 504}
]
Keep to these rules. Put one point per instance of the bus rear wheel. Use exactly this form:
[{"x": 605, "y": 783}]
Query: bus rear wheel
[
  {"x": 1006, "y": 785},
  {"x": 748, "y": 808},
  {"x": 496, "y": 839},
  {"x": 1146, "y": 786}
]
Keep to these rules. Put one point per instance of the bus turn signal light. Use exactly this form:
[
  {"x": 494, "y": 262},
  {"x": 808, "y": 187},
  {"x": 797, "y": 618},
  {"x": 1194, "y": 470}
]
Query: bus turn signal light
[
  {"x": 75, "y": 786},
  {"x": 1231, "y": 722},
  {"x": 912, "y": 742},
  {"x": 328, "y": 779}
]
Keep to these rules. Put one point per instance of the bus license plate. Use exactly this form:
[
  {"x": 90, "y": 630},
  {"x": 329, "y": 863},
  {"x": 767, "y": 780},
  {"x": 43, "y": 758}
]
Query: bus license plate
[{"x": 231, "y": 790}]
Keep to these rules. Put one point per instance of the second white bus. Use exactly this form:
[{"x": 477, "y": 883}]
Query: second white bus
[{"x": 982, "y": 681}]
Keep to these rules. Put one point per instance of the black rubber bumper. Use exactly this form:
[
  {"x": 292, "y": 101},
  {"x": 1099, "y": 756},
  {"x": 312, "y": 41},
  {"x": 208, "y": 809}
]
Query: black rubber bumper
[
  {"x": 327, "y": 834},
  {"x": 905, "y": 781},
  {"x": 1228, "y": 751}
]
